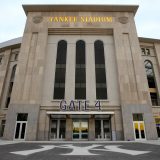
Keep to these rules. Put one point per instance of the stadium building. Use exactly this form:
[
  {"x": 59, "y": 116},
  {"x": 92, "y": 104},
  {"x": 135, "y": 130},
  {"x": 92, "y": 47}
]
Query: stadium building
[{"x": 80, "y": 72}]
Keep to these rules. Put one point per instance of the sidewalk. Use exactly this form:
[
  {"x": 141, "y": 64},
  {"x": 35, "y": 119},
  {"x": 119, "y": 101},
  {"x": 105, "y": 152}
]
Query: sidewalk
[
  {"x": 154, "y": 142},
  {"x": 5, "y": 142}
]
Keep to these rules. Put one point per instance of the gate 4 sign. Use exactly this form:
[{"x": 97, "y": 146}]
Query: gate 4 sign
[
  {"x": 83, "y": 150},
  {"x": 78, "y": 105}
]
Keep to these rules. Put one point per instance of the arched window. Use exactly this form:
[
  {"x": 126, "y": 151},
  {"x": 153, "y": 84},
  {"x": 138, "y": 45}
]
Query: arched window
[
  {"x": 151, "y": 82},
  {"x": 80, "y": 75},
  {"x": 101, "y": 87},
  {"x": 11, "y": 82},
  {"x": 150, "y": 74},
  {"x": 59, "y": 84}
]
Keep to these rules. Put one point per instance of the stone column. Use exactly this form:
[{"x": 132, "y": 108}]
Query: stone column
[
  {"x": 91, "y": 129},
  {"x": 90, "y": 74},
  {"x": 70, "y": 73},
  {"x": 68, "y": 128},
  {"x": 47, "y": 132},
  {"x": 113, "y": 128}
]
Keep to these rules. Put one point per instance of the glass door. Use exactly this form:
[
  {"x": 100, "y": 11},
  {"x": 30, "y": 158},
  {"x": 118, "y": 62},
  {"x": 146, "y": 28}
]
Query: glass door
[
  {"x": 20, "y": 130},
  {"x": 102, "y": 129},
  {"x": 76, "y": 129},
  {"x": 158, "y": 126},
  {"x": 80, "y": 129},
  {"x": 139, "y": 130},
  {"x": 21, "y": 125},
  {"x": 84, "y": 129},
  {"x": 57, "y": 129},
  {"x": 53, "y": 132}
]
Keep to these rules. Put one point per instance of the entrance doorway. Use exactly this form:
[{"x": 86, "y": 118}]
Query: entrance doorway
[
  {"x": 20, "y": 130},
  {"x": 158, "y": 130},
  {"x": 57, "y": 129},
  {"x": 80, "y": 129},
  {"x": 20, "y": 127},
  {"x": 139, "y": 130},
  {"x": 102, "y": 129},
  {"x": 157, "y": 120}
]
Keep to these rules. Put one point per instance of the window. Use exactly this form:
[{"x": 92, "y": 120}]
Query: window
[
  {"x": 2, "y": 127},
  {"x": 138, "y": 125},
  {"x": 21, "y": 124},
  {"x": 151, "y": 82},
  {"x": 101, "y": 86},
  {"x": 137, "y": 117},
  {"x": 59, "y": 86},
  {"x": 80, "y": 76},
  {"x": 154, "y": 99},
  {"x": 1, "y": 58},
  {"x": 22, "y": 116},
  {"x": 14, "y": 56},
  {"x": 150, "y": 74},
  {"x": 10, "y": 85},
  {"x": 145, "y": 51}
]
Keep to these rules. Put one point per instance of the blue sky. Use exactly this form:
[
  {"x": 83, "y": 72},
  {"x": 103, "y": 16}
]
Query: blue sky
[{"x": 12, "y": 16}]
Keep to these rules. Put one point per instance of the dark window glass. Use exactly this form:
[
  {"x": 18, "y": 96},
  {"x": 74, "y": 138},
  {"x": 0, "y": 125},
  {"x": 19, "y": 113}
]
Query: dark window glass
[
  {"x": 101, "y": 87},
  {"x": 80, "y": 75},
  {"x": 137, "y": 133},
  {"x": 99, "y": 52},
  {"x": 61, "y": 52},
  {"x": 2, "y": 127},
  {"x": 151, "y": 81},
  {"x": 142, "y": 133},
  {"x": 10, "y": 85},
  {"x": 8, "y": 102},
  {"x": 80, "y": 93},
  {"x": 60, "y": 75},
  {"x": 98, "y": 128},
  {"x": 101, "y": 93},
  {"x": 16, "y": 57},
  {"x": 17, "y": 130},
  {"x": 150, "y": 74},
  {"x": 22, "y": 117},
  {"x": 59, "y": 86},
  {"x": 1, "y": 57},
  {"x": 100, "y": 75},
  {"x": 59, "y": 92},
  {"x": 154, "y": 99},
  {"x": 10, "y": 88},
  {"x": 143, "y": 51},
  {"x": 23, "y": 130},
  {"x": 80, "y": 52},
  {"x": 62, "y": 129},
  {"x": 137, "y": 117},
  {"x": 148, "y": 51},
  {"x": 13, "y": 73},
  {"x": 80, "y": 79}
]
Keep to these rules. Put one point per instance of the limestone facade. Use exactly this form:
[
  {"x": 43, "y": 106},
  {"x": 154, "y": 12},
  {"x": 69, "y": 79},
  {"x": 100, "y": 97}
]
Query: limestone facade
[{"x": 128, "y": 93}]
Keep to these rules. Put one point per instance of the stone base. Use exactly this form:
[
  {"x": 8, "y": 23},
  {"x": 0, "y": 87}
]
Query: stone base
[
  {"x": 150, "y": 127},
  {"x": 32, "y": 122}
]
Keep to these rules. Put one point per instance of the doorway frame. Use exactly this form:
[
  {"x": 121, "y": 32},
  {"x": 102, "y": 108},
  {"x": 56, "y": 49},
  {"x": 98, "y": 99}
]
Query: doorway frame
[
  {"x": 80, "y": 133},
  {"x": 139, "y": 139},
  {"x": 20, "y": 130}
]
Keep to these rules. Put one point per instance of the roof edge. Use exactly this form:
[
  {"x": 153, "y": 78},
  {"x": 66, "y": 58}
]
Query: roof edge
[
  {"x": 148, "y": 40},
  {"x": 11, "y": 43},
  {"x": 77, "y": 8}
]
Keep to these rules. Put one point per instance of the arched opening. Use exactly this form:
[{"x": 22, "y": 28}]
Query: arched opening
[{"x": 101, "y": 86}]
